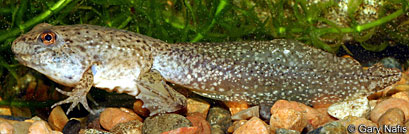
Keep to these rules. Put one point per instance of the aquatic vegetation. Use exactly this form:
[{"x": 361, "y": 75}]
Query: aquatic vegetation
[{"x": 326, "y": 24}]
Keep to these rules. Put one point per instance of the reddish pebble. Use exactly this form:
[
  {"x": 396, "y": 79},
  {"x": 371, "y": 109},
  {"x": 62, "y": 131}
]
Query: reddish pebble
[
  {"x": 57, "y": 119},
  {"x": 288, "y": 119},
  {"x": 314, "y": 117},
  {"x": 137, "y": 108},
  {"x": 385, "y": 105},
  {"x": 112, "y": 116},
  {"x": 182, "y": 130},
  {"x": 203, "y": 127},
  {"x": 253, "y": 126}
]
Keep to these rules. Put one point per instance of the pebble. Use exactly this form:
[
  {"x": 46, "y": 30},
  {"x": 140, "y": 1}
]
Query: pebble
[
  {"x": 253, "y": 126},
  {"x": 6, "y": 128},
  {"x": 216, "y": 129},
  {"x": 330, "y": 128},
  {"x": 137, "y": 108},
  {"x": 182, "y": 130},
  {"x": 358, "y": 107},
  {"x": 94, "y": 124},
  {"x": 314, "y": 117},
  {"x": 93, "y": 131},
  {"x": 164, "y": 122},
  {"x": 247, "y": 114},
  {"x": 41, "y": 127},
  {"x": 392, "y": 117},
  {"x": 265, "y": 113},
  {"x": 197, "y": 119},
  {"x": 356, "y": 121},
  {"x": 72, "y": 127},
  {"x": 20, "y": 127},
  {"x": 286, "y": 131},
  {"x": 236, "y": 125},
  {"x": 131, "y": 127},
  {"x": 387, "y": 104},
  {"x": 287, "y": 118},
  {"x": 235, "y": 107},
  {"x": 5, "y": 110},
  {"x": 57, "y": 118},
  {"x": 197, "y": 106},
  {"x": 402, "y": 95},
  {"x": 112, "y": 116},
  {"x": 220, "y": 117}
]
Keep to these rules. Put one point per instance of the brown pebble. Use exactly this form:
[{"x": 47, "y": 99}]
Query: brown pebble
[
  {"x": 287, "y": 118},
  {"x": 314, "y": 117},
  {"x": 197, "y": 106},
  {"x": 247, "y": 114},
  {"x": 392, "y": 117},
  {"x": 203, "y": 127},
  {"x": 112, "y": 116},
  {"x": 236, "y": 125},
  {"x": 182, "y": 130},
  {"x": 130, "y": 127},
  {"x": 6, "y": 128},
  {"x": 137, "y": 108},
  {"x": 235, "y": 107},
  {"x": 253, "y": 126},
  {"x": 40, "y": 127},
  {"x": 356, "y": 121},
  {"x": 387, "y": 104},
  {"x": 57, "y": 119}
]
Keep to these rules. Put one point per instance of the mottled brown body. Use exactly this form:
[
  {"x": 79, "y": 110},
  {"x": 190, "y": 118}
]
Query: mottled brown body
[{"x": 256, "y": 71}]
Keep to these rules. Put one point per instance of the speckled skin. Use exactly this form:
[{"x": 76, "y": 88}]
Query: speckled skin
[{"x": 256, "y": 71}]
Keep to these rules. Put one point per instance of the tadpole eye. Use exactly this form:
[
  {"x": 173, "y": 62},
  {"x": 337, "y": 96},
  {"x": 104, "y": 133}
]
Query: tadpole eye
[{"x": 48, "y": 38}]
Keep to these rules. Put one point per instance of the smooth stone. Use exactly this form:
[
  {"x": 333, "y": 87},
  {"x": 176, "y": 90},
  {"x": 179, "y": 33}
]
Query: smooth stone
[
  {"x": 138, "y": 108},
  {"x": 164, "y": 122},
  {"x": 57, "y": 118},
  {"x": 72, "y": 127},
  {"x": 392, "y": 117},
  {"x": 131, "y": 127},
  {"x": 387, "y": 104},
  {"x": 247, "y": 113},
  {"x": 219, "y": 116},
  {"x": 358, "y": 107},
  {"x": 112, "y": 116}
]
